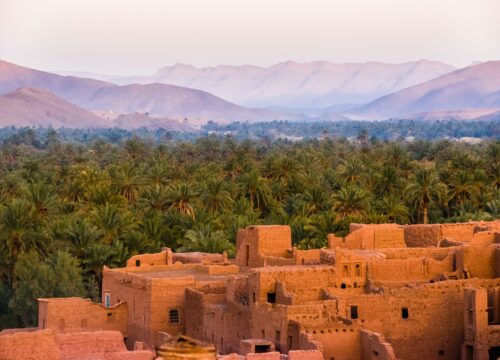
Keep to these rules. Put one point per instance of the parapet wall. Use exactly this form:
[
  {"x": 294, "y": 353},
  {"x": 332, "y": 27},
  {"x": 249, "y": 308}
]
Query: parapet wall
[
  {"x": 77, "y": 314},
  {"x": 476, "y": 233},
  {"x": 370, "y": 236},
  {"x": 49, "y": 345},
  {"x": 163, "y": 258}
]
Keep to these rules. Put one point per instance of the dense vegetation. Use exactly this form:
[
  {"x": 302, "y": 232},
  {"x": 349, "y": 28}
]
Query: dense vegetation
[{"x": 68, "y": 207}]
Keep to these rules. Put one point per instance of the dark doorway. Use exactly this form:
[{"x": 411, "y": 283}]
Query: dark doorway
[
  {"x": 271, "y": 298},
  {"x": 262, "y": 348}
]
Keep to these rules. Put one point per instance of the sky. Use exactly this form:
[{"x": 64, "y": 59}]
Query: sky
[{"x": 136, "y": 37}]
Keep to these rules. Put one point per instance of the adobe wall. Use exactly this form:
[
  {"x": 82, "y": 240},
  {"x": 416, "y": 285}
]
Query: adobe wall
[
  {"x": 339, "y": 342},
  {"x": 210, "y": 318},
  {"x": 123, "y": 286},
  {"x": 77, "y": 314},
  {"x": 306, "y": 257},
  {"x": 305, "y": 283},
  {"x": 434, "y": 322},
  {"x": 199, "y": 258},
  {"x": 292, "y": 355},
  {"x": 39, "y": 345},
  {"x": 370, "y": 236},
  {"x": 163, "y": 258},
  {"x": 482, "y": 319},
  {"x": 477, "y": 262},
  {"x": 48, "y": 345},
  {"x": 259, "y": 241},
  {"x": 374, "y": 345},
  {"x": 421, "y": 269},
  {"x": 478, "y": 233}
]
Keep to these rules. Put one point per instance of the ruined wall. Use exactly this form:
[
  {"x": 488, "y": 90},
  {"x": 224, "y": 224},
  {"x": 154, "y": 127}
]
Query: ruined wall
[
  {"x": 422, "y": 235},
  {"x": 48, "y": 345},
  {"x": 163, "y": 258},
  {"x": 256, "y": 242},
  {"x": 478, "y": 232},
  {"x": 421, "y": 322},
  {"x": 409, "y": 270},
  {"x": 38, "y": 345},
  {"x": 199, "y": 258},
  {"x": 374, "y": 346},
  {"x": 477, "y": 262},
  {"x": 77, "y": 314},
  {"x": 339, "y": 342},
  {"x": 305, "y": 283},
  {"x": 370, "y": 236}
]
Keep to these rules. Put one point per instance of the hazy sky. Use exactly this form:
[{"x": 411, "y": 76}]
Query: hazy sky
[{"x": 139, "y": 36}]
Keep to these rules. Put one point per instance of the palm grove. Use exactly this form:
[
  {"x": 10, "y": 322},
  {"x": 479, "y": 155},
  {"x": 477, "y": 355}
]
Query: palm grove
[{"x": 67, "y": 208}]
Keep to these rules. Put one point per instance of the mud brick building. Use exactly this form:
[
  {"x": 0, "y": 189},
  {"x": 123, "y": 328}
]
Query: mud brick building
[{"x": 383, "y": 292}]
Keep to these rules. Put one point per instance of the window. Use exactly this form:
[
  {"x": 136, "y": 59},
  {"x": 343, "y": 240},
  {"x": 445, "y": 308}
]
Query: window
[
  {"x": 271, "y": 297},
  {"x": 354, "y": 312},
  {"x": 343, "y": 286},
  {"x": 346, "y": 271},
  {"x": 404, "y": 313},
  {"x": 107, "y": 299},
  {"x": 358, "y": 270},
  {"x": 138, "y": 263},
  {"x": 174, "y": 317}
]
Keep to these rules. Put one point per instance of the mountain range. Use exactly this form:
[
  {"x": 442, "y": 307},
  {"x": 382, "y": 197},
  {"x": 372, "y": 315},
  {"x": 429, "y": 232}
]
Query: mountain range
[
  {"x": 156, "y": 99},
  {"x": 36, "y": 98},
  {"x": 291, "y": 84}
]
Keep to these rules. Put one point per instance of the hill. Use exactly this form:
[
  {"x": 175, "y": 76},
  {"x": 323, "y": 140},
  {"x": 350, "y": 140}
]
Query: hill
[
  {"x": 473, "y": 87},
  {"x": 40, "y": 108}
]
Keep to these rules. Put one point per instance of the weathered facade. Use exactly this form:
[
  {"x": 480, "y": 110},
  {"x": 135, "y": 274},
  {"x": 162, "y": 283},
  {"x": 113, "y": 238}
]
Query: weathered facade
[{"x": 382, "y": 292}]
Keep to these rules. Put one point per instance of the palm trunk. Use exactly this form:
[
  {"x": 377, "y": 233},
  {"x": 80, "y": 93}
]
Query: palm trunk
[{"x": 426, "y": 220}]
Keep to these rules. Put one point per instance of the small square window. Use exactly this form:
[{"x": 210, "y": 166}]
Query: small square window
[
  {"x": 354, "y": 312},
  {"x": 174, "y": 317},
  {"x": 138, "y": 263}
]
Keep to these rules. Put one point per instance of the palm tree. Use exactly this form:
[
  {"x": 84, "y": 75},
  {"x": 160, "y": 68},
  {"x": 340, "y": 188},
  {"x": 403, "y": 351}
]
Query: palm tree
[
  {"x": 324, "y": 223},
  {"x": 111, "y": 221},
  {"x": 96, "y": 256},
  {"x": 425, "y": 189},
  {"x": 128, "y": 182},
  {"x": 462, "y": 187},
  {"x": 17, "y": 230},
  {"x": 315, "y": 198},
  {"x": 81, "y": 234},
  {"x": 394, "y": 209},
  {"x": 255, "y": 188},
  {"x": 204, "y": 239},
  {"x": 154, "y": 197},
  {"x": 12, "y": 184},
  {"x": 180, "y": 198},
  {"x": 42, "y": 197},
  {"x": 215, "y": 197},
  {"x": 352, "y": 169},
  {"x": 351, "y": 200}
]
